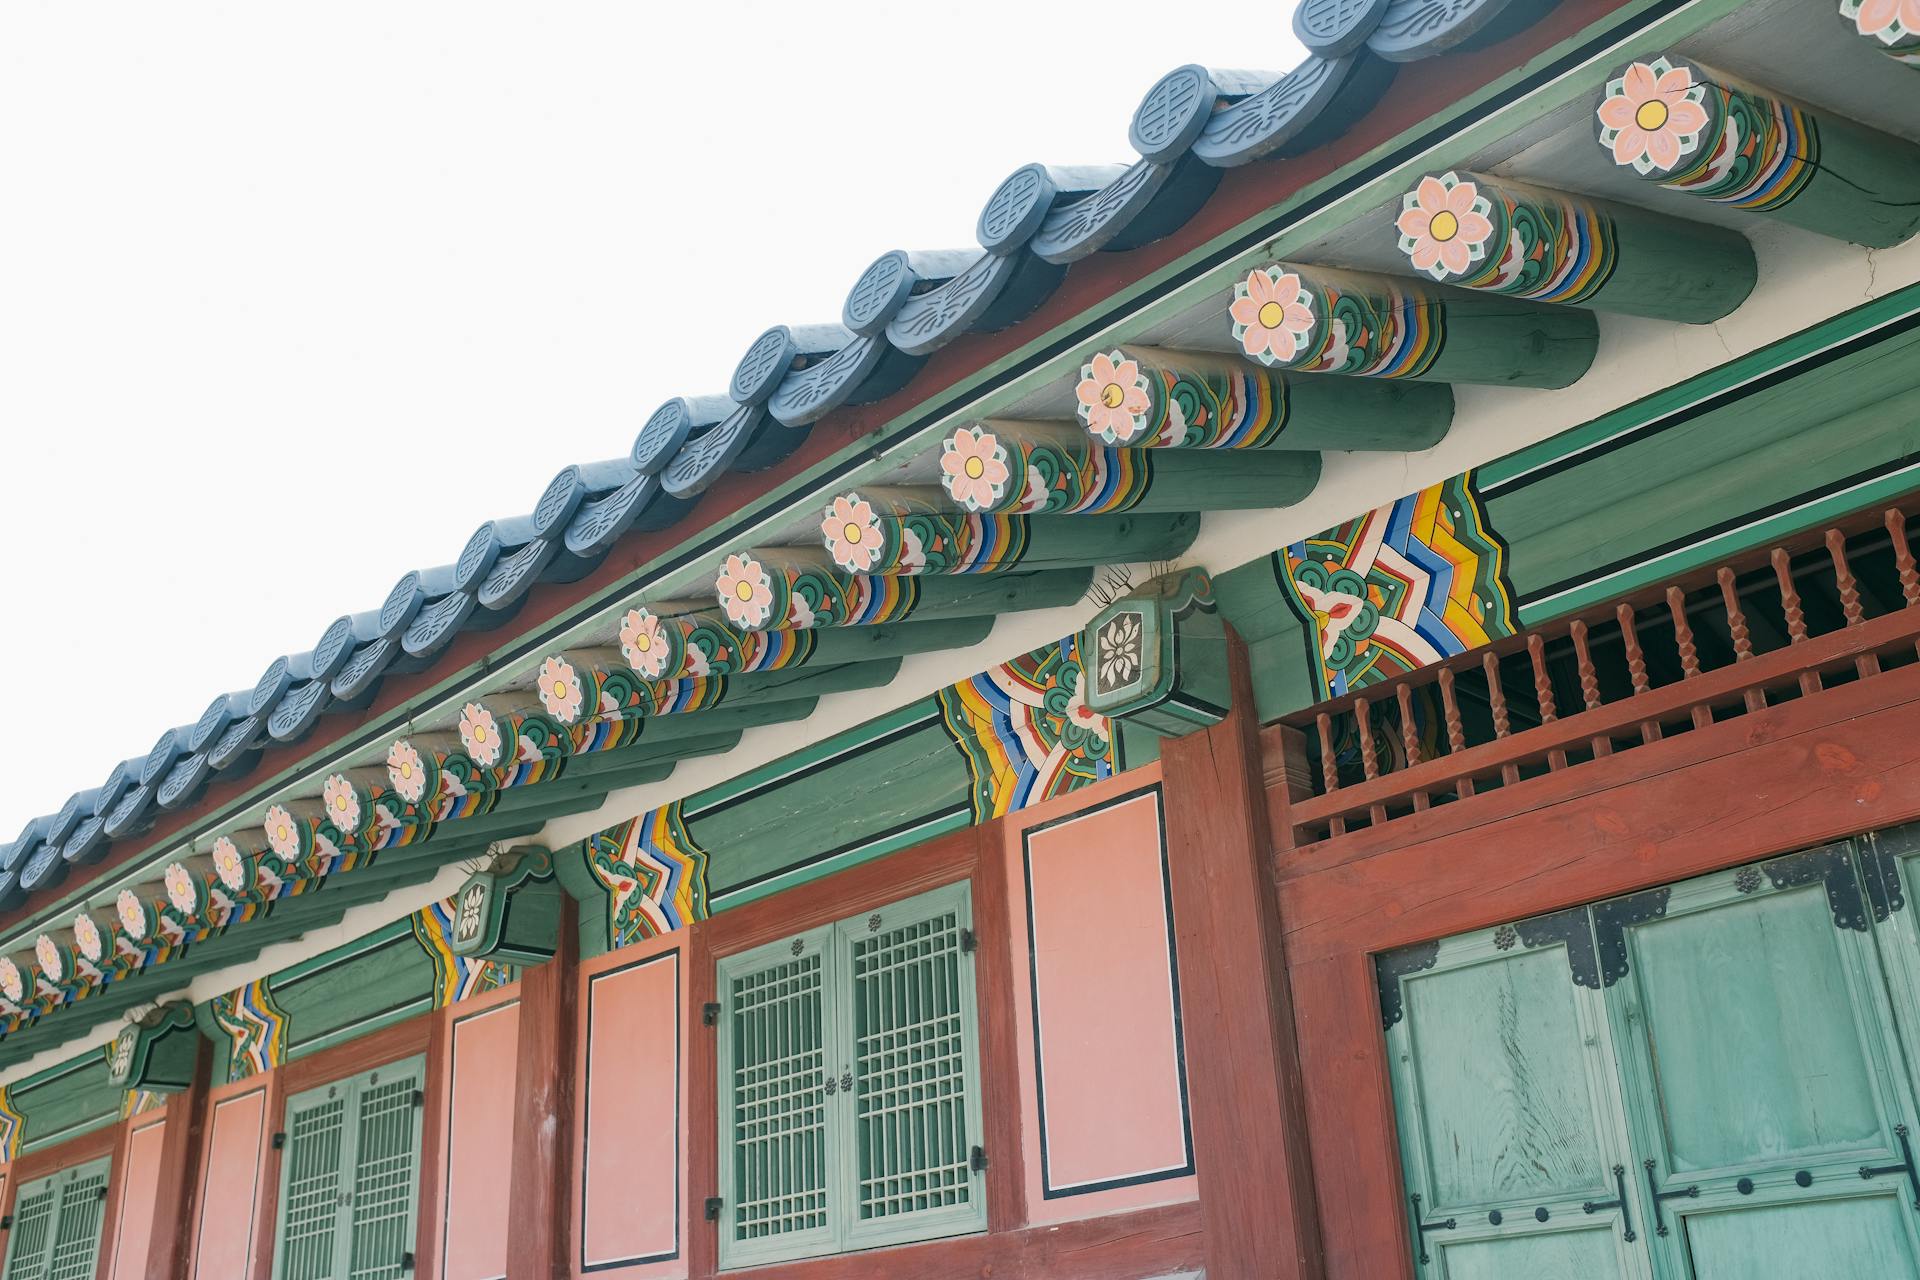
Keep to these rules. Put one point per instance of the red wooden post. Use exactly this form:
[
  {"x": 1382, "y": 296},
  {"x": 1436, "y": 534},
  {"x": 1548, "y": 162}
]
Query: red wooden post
[
  {"x": 1249, "y": 1114},
  {"x": 541, "y": 1187},
  {"x": 169, "y": 1253}
]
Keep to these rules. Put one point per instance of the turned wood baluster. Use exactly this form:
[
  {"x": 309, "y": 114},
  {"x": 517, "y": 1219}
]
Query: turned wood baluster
[
  {"x": 1636, "y": 667},
  {"x": 1903, "y": 561},
  {"x": 1363, "y": 722},
  {"x": 1865, "y": 664},
  {"x": 1737, "y": 628},
  {"x": 1796, "y": 617},
  {"x": 1410, "y": 737},
  {"x": 1689, "y": 652},
  {"x": 1329, "y": 769},
  {"x": 1456, "y": 731},
  {"x": 1543, "y": 693},
  {"x": 1497, "y": 701},
  {"x": 1589, "y": 685}
]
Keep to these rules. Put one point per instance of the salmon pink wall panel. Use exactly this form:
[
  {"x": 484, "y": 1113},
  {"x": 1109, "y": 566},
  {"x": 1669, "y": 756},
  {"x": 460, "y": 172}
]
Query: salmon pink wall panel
[
  {"x": 481, "y": 1066},
  {"x": 230, "y": 1187},
  {"x": 139, "y": 1190},
  {"x": 1099, "y": 1015},
  {"x": 631, "y": 1106}
]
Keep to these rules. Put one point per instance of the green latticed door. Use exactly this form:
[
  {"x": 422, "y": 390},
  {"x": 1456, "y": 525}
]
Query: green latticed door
[
  {"x": 349, "y": 1178},
  {"x": 56, "y": 1225},
  {"x": 849, "y": 1112},
  {"x": 1706, "y": 1080}
]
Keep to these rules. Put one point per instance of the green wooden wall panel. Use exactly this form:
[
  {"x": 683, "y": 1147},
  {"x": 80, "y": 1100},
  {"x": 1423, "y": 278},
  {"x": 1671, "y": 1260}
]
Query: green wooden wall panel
[
  {"x": 1574, "y": 1252},
  {"x": 1841, "y": 1238},
  {"x": 382, "y": 979},
  {"x": 65, "y": 1101}
]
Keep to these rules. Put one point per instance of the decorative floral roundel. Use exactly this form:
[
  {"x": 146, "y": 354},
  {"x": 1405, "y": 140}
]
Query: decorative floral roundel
[
  {"x": 342, "y": 804},
  {"x": 745, "y": 591},
  {"x": 180, "y": 889},
  {"x": 480, "y": 735},
  {"x": 86, "y": 936},
  {"x": 133, "y": 915},
  {"x": 47, "y": 952},
  {"x": 1272, "y": 320},
  {"x": 123, "y": 1053},
  {"x": 1342, "y": 610},
  {"x": 1444, "y": 225},
  {"x": 1651, "y": 117},
  {"x": 13, "y": 985},
  {"x": 973, "y": 468},
  {"x": 1888, "y": 21},
  {"x": 1114, "y": 398},
  {"x": 852, "y": 533},
  {"x": 560, "y": 691},
  {"x": 230, "y": 865},
  {"x": 643, "y": 644},
  {"x": 406, "y": 771},
  {"x": 283, "y": 833},
  {"x": 1117, "y": 651}
]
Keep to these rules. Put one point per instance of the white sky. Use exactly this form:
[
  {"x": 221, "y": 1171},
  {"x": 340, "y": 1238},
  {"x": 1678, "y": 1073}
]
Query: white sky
[{"x": 294, "y": 297}]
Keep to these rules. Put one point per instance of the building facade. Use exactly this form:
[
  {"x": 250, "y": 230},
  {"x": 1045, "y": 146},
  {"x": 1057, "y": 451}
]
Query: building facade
[{"x": 1335, "y": 700}]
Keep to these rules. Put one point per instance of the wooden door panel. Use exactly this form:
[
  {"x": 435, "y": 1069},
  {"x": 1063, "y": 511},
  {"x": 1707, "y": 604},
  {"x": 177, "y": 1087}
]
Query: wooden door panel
[
  {"x": 1508, "y": 1116},
  {"x": 1586, "y": 1252},
  {"x": 1861, "y": 1236},
  {"x": 1758, "y": 1041}
]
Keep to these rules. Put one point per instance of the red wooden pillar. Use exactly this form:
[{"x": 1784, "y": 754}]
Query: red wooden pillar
[
  {"x": 169, "y": 1253},
  {"x": 542, "y": 1182},
  {"x": 1248, "y": 1112}
]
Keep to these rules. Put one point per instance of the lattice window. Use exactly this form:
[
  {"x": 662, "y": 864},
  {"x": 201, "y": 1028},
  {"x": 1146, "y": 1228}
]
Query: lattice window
[
  {"x": 56, "y": 1225},
  {"x": 847, "y": 1072},
  {"x": 350, "y": 1178}
]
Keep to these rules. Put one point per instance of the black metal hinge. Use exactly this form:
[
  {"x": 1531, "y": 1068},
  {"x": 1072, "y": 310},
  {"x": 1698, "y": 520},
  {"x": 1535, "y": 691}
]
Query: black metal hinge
[
  {"x": 709, "y": 1015},
  {"x": 1660, "y": 1227},
  {"x": 6, "y": 1223},
  {"x": 969, "y": 943},
  {"x": 713, "y": 1208},
  {"x": 978, "y": 1160},
  {"x": 406, "y": 1261},
  {"x": 1626, "y": 1210},
  {"x": 1907, "y": 1167},
  {"x": 1421, "y": 1228},
  {"x": 279, "y": 1141},
  {"x": 419, "y": 1097}
]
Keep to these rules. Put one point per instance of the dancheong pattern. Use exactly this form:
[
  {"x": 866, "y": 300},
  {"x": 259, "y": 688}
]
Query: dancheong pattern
[
  {"x": 1402, "y": 586},
  {"x": 255, "y": 1028},
  {"x": 455, "y": 977},
  {"x": 655, "y": 875},
  {"x": 1667, "y": 122},
  {"x": 1026, "y": 731}
]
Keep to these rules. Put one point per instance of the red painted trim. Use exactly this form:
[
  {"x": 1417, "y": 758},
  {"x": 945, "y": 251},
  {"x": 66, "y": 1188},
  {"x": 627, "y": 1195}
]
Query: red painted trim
[
  {"x": 542, "y": 1181},
  {"x": 169, "y": 1251}
]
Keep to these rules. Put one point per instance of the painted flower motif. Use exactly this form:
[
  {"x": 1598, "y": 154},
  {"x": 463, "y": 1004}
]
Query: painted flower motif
[
  {"x": 283, "y": 833},
  {"x": 800, "y": 615},
  {"x": 1079, "y": 714},
  {"x": 480, "y": 735},
  {"x": 643, "y": 643},
  {"x": 560, "y": 691},
  {"x": 132, "y": 913},
  {"x": 47, "y": 952},
  {"x": 1333, "y": 612},
  {"x": 470, "y": 904},
  {"x": 13, "y": 985},
  {"x": 86, "y": 936},
  {"x": 973, "y": 468},
  {"x": 1118, "y": 650},
  {"x": 180, "y": 889},
  {"x": 1651, "y": 116},
  {"x": 1444, "y": 227},
  {"x": 745, "y": 591},
  {"x": 230, "y": 865},
  {"x": 1888, "y": 21},
  {"x": 1271, "y": 316},
  {"x": 407, "y": 771},
  {"x": 123, "y": 1053},
  {"x": 852, "y": 532},
  {"x": 342, "y": 805},
  {"x": 1114, "y": 398}
]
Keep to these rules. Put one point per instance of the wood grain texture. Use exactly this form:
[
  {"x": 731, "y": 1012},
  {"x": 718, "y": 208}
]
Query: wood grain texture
[
  {"x": 1248, "y": 1112},
  {"x": 169, "y": 1254},
  {"x": 542, "y": 1189}
]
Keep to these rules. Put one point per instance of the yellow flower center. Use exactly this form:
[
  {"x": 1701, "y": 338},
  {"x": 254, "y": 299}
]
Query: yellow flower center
[
  {"x": 644, "y": 643},
  {"x": 1444, "y": 227},
  {"x": 1271, "y": 314},
  {"x": 406, "y": 769},
  {"x": 1652, "y": 115},
  {"x": 284, "y": 833},
  {"x": 853, "y": 533},
  {"x": 559, "y": 688},
  {"x": 975, "y": 468},
  {"x": 1112, "y": 394},
  {"x": 743, "y": 590},
  {"x": 340, "y": 803},
  {"x": 479, "y": 733}
]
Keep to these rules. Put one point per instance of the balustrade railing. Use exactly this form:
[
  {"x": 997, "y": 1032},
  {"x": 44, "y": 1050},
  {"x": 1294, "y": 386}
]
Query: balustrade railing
[{"x": 1837, "y": 605}]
